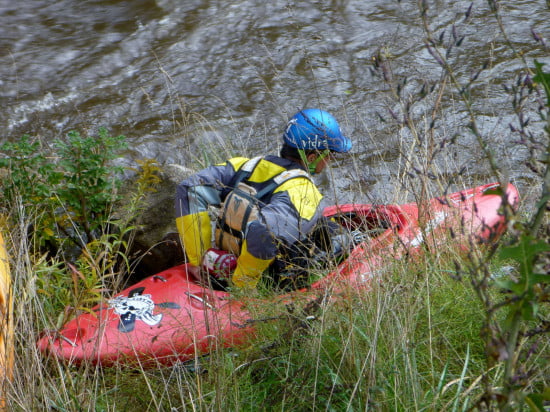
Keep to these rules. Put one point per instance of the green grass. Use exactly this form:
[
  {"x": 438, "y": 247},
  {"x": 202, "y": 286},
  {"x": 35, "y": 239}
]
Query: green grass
[{"x": 402, "y": 346}]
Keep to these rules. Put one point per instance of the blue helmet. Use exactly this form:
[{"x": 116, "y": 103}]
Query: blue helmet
[{"x": 315, "y": 129}]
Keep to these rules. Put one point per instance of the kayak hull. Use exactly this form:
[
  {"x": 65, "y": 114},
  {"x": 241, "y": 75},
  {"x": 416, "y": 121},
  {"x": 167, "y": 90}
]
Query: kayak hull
[{"x": 168, "y": 317}]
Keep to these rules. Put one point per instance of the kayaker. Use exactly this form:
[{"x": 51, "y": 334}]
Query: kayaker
[{"x": 267, "y": 203}]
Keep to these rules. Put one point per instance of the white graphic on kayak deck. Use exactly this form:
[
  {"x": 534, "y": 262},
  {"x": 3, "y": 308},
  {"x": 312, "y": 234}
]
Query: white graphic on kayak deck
[{"x": 135, "y": 306}]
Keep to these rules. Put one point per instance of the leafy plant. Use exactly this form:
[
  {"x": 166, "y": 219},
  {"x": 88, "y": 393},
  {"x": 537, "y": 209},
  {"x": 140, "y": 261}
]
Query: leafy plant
[
  {"x": 69, "y": 186},
  {"x": 524, "y": 295},
  {"x": 148, "y": 175},
  {"x": 88, "y": 183}
]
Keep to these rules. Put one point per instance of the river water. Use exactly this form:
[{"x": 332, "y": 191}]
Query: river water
[{"x": 194, "y": 78}]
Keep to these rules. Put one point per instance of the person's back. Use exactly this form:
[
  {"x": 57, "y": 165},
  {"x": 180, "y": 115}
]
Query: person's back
[{"x": 287, "y": 210}]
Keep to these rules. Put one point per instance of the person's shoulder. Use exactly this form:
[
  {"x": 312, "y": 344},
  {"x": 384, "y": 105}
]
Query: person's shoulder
[
  {"x": 236, "y": 162},
  {"x": 303, "y": 194},
  {"x": 299, "y": 182}
]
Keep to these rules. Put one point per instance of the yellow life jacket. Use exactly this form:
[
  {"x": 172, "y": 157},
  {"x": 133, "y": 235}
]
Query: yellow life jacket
[{"x": 243, "y": 203}]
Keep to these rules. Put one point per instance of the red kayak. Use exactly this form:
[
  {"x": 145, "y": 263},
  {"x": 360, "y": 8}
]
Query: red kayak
[{"x": 168, "y": 317}]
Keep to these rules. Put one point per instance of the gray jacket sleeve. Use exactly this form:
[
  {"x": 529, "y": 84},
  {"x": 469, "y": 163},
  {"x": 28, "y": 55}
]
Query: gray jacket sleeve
[{"x": 204, "y": 188}]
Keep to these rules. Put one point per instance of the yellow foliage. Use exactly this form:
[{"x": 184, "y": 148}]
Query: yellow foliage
[{"x": 148, "y": 175}]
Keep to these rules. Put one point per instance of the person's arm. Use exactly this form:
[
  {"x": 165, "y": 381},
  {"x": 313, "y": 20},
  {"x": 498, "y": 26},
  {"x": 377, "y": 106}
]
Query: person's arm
[
  {"x": 193, "y": 196},
  {"x": 288, "y": 218}
]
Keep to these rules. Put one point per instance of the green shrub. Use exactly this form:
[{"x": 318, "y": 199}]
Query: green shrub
[{"x": 66, "y": 189}]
